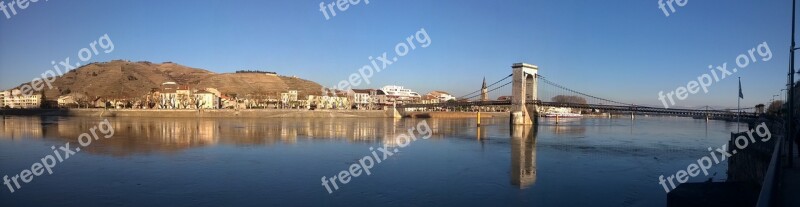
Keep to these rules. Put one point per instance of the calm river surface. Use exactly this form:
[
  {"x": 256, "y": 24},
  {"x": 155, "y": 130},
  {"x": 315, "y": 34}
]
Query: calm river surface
[{"x": 280, "y": 162}]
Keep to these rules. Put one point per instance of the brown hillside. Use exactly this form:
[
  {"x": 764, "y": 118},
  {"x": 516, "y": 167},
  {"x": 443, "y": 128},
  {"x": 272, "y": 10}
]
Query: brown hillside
[
  {"x": 124, "y": 79},
  {"x": 303, "y": 87},
  {"x": 245, "y": 83}
]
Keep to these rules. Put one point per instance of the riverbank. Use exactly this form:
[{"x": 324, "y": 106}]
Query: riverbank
[{"x": 214, "y": 113}]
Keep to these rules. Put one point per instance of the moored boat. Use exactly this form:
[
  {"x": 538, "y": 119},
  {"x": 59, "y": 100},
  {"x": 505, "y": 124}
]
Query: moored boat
[{"x": 564, "y": 115}]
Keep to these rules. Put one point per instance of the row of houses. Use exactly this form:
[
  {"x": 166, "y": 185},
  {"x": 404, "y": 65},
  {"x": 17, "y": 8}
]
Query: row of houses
[
  {"x": 364, "y": 99},
  {"x": 174, "y": 96}
]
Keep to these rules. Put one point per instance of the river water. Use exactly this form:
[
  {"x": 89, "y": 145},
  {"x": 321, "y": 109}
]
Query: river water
[{"x": 280, "y": 162}]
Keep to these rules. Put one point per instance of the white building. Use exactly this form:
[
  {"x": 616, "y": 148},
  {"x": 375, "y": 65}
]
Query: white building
[
  {"x": 361, "y": 97},
  {"x": 3, "y": 97},
  {"x": 287, "y": 98},
  {"x": 65, "y": 101},
  {"x": 206, "y": 100},
  {"x": 15, "y": 99},
  {"x": 442, "y": 96},
  {"x": 169, "y": 95},
  {"x": 332, "y": 102}
]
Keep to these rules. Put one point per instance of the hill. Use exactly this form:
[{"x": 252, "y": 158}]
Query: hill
[{"x": 125, "y": 79}]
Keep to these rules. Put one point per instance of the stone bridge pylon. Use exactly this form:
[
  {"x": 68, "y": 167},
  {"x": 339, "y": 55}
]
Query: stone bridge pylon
[{"x": 524, "y": 87}]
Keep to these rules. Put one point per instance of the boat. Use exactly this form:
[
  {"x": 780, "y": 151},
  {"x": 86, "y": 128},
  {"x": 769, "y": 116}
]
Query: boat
[
  {"x": 563, "y": 115},
  {"x": 398, "y": 92}
]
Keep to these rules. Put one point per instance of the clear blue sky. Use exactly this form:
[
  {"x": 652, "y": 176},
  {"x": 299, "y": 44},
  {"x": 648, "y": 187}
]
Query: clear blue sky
[{"x": 624, "y": 50}]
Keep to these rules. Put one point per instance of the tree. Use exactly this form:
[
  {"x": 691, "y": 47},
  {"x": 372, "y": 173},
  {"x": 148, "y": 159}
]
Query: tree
[
  {"x": 82, "y": 101},
  {"x": 760, "y": 108},
  {"x": 43, "y": 101},
  {"x": 775, "y": 107},
  {"x": 569, "y": 99}
]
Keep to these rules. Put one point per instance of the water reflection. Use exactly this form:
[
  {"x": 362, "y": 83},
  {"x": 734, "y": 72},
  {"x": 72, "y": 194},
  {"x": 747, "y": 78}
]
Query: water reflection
[
  {"x": 523, "y": 156},
  {"x": 481, "y": 132},
  {"x": 160, "y": 135},
  {"x": 11, "y": 128},
  {"x": 146, "y": 135},
  {"x": 566, "y": 126},
  {"x": 285, "y": 158}
]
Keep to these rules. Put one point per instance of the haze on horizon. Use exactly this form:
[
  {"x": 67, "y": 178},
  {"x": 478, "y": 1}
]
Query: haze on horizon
[{"x": 624, "y": 50}]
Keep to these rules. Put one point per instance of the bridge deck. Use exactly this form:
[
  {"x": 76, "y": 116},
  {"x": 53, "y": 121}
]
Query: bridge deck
[{"x": 602, "y": 107}]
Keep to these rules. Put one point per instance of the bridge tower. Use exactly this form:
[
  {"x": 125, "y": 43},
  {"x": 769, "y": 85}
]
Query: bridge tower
[{"x": 524, "y": 87}]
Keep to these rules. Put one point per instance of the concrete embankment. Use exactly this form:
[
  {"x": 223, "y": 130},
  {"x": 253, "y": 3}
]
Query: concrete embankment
[
  {"x": 219, "y": 113},
  {"x": 447, "y": 114}
]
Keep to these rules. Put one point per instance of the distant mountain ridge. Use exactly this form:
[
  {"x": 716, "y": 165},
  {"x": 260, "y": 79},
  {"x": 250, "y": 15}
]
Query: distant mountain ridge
[{"x": 125, "y": 79}]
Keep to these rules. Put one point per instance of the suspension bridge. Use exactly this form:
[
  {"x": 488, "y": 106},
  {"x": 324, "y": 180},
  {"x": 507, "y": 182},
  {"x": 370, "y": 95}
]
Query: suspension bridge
[{"x": 531, "y": 91}]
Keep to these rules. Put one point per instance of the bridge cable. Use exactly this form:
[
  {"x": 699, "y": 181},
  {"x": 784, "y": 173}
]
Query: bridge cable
[
  {"x": 584, "y": 94},
  {"x": 491, "y": 90},
  {"x": 490, "y": 85}
]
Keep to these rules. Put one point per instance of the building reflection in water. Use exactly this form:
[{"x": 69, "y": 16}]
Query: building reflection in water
[
  {"x": 11, "y": 128},
  {"x": 523, "y": 156},
  {"x": 165, "y": 135},
  {"x": 146, "y": 135}
]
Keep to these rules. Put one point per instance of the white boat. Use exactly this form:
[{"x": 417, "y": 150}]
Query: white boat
[
  {"x": 399, "y": 92},
  {"x": 563, "y": 115}
]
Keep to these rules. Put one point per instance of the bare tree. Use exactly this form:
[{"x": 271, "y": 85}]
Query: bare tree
[
  {"x": 569, "y": 99},
  {"x": 775, "y": 107}
]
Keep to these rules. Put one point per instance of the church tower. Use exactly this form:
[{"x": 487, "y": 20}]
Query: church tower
[{"x": 484, "y": 91}]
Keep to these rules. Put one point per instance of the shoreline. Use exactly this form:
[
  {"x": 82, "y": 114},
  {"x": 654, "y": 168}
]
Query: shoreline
[{"x": 274, "y": 113}]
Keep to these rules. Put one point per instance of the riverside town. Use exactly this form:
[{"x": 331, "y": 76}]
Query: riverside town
[{"x": 666, "y": 103}]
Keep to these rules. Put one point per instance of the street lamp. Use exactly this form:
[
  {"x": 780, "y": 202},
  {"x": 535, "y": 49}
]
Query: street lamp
[{"x": 782, "y": 94}]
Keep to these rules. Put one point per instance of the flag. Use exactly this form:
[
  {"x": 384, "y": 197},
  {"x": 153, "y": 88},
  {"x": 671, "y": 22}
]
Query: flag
[{"x": 741, "y": 95}]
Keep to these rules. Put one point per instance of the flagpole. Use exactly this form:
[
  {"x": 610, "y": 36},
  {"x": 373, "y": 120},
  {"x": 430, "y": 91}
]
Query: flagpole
[{"x": 739, "y": 105}]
